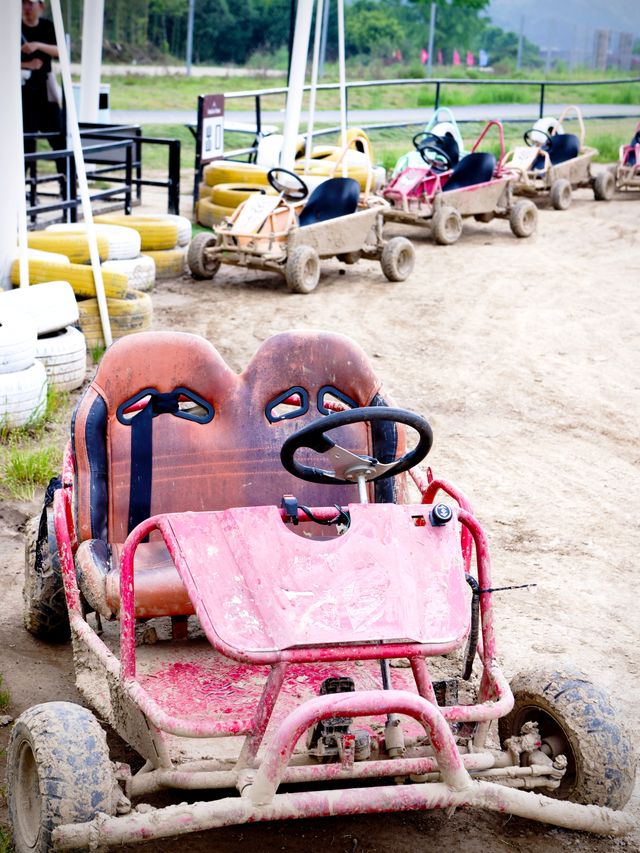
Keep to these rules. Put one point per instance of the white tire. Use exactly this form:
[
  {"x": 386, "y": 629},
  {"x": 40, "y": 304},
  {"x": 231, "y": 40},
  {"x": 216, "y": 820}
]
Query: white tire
[
  {"x": 181, "y": 222},
  {"x": 40, "y": 255},
  {"x": 23, "y": 395},
  {"x": 122, "y": 242},
  {"x": 169, "y": 263},
  {"x": 141, "y": 272},
  {"x": 52, "y": 305},
  {"x": 64, "y": 355},
  {"x": 17, "y": 341}
]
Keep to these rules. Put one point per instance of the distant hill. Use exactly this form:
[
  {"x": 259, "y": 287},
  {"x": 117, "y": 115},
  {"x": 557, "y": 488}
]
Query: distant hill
[{"x": 568, "y": 25}]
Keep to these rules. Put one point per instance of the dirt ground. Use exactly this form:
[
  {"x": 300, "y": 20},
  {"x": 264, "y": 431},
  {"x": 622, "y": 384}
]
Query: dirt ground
[{"x": 523, "y": 355}]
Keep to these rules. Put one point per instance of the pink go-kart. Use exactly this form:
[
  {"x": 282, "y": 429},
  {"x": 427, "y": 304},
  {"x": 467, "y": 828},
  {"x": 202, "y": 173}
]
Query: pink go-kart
[
  {"x": 253, "y": 604},
  {"x": 447, "y": 189},
  {"x": 627, "y": 170}
]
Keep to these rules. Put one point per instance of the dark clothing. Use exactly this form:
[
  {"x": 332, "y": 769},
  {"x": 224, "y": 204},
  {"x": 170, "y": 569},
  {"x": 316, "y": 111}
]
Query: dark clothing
[{"x": 39, "y": 114}]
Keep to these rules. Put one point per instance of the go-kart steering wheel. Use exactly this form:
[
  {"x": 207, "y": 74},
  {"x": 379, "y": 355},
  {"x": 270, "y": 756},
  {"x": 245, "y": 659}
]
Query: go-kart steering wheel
[
  {"x": 348, "y": 467},
  {"x": 636, "y": 138},
  {"x": 430, "y": 148},
  {"x": 531, "y": 140},
  {"x": 295, "y": 193}
]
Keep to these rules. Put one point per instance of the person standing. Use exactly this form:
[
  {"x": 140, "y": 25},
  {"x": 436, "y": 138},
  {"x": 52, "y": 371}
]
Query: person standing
[{"x": 40, "y": 108}]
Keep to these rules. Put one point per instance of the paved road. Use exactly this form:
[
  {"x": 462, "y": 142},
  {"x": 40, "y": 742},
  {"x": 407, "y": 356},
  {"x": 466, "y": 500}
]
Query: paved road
[{"x": 477, "y": 112}]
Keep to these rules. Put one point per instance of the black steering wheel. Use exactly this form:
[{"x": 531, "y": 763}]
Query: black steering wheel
[
  {"x": 636, "y": 138},
  {"x": 290, "y": 193},
  {"x": 531, "y": 140},
  {"x": 432, "y": 151},
  {"x": 348, "y": 467}
]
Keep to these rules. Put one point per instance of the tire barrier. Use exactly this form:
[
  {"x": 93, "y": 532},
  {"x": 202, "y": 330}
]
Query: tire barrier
[
  {"x": 17, "y": 341},
  {"x": 128, "y": 315},
  {"x": 181, "y": 222},
  {"x": 74, "y": 246},
  {"x": 122, "y": 242},
  {"x": 169, "y": 263},
  {"x": 79, "y": 276},
  {"x": 23, "y": 395},
  {"x": 231, "y": 195},
  {"x": 230, "y": 171},
  {"x": 52, "y": 305},
  {"x": 64, "y": 356},
  {"x": 140, "y": 272},
  {"x": 155, "y": 234}
]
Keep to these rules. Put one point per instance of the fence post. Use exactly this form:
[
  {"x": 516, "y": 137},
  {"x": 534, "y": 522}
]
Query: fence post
[
  {"x": 437, "y": 100},
  {"x": 72, "y": 190},
  {"x": 541, "y": 100},
  {"x": 129, "y": 177},
  {"x": 173, "y": 202}
]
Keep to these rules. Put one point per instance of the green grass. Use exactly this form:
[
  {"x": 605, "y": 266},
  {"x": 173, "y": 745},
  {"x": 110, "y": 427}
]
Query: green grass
[
  {"x": 5, "y": 699},
  {"x": 5, "y": 841},
  {"x": 57, "y": 402},
  {"x": 26, "y": 469}
]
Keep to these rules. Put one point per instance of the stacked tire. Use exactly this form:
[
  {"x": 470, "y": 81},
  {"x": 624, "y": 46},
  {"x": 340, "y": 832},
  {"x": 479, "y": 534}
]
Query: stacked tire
[
  {"x": 225, "y": 185},
  {"x": 39, "y": 348},
  {"x": 130, "y": 309},
  {"x": 163, "y": 239}
]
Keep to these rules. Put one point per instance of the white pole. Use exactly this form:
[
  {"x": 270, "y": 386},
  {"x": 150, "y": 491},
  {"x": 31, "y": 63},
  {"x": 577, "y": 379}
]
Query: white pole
[
  {"x": 190, "y": 13},
  {"x": 83, "y": 186},
  {"x": 21, "y": 208},
  {"x": 92, "y": 28},
  {"x": 11, "y": 153},
  {"x": 314, "y": 82},
  {"x": 432, "y": 33},
  {"x": 343, "y": 84},
  {"x": 296, "y": 83}
]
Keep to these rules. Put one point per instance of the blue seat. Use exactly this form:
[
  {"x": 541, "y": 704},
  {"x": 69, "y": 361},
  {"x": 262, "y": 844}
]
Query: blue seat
[
  {"x": 475, "y": 168},
  {"x": 333, "y": 198},
  {"x": 561, "y": 147}
]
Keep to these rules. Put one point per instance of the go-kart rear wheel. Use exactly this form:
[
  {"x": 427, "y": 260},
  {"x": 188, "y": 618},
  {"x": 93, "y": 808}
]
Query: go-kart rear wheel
[
  {"x": 575, "y": 719},
  {"x": 560, "y": 194},
  {"x": 397, "y": 259},
  {"x": 446, "y": 225},
  {"x": 604, "y": 186},
  {"x": 303, "y": 269},
  {"x": 523, "y": 218},
  {"x": 199, "y": 260},
  {"x": 58, "y": 772},
  {"x": 45, "y": 608}
]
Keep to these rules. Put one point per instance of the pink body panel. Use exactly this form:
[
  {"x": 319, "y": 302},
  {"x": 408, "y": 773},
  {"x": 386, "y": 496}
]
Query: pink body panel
[{"x": 256, "y": 586}]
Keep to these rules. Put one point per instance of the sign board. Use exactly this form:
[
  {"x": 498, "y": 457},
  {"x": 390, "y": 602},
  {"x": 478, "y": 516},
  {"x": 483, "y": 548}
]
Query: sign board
[{"x": 210, "y": 127}]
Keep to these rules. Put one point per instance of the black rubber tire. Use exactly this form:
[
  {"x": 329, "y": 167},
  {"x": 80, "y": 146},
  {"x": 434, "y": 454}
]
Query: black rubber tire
[
  {"x": 484, "y": 217},
  {"x": 45, "y": 607},
  {"x": 601, "y": 759},
  {"x": 560, "y": 194},
  {"x": 523, "y": 218},
  {"x": 604, "y": 186},
  {"x": 199, "y": 264},
  {"x": 446, "y": 225},
  {"x": 398, "y": 259},
  {"x": 58, "y": 772},
  {"x": 303, "y": 269}
]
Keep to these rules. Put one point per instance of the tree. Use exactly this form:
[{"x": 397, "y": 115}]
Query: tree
[{"x": 459, "y": 23}]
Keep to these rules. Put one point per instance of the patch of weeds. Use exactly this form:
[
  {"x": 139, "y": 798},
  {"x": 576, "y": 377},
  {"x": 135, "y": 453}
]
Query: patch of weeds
[
  {"x": 6, "y": 845},
  {"x": 5, "y": 699},
  {"x": 97, "y": 351},
  {"x": 25, "y": 470},
  {"x": 57, "y": 402}
]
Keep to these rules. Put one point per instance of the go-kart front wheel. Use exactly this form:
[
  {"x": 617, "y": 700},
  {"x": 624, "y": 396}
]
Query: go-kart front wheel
[
  {"x": 302, "y": 271},
  {"x": 58, "y": 772},
  {"x": 45, "y": 607},
  {"x": 575, "y": 719},
  {"x": 397, "y": 259},
  {"x": 560, "y": 194},
  {"x": 199, "y": 259},
  {"x": 446, "y": 225},
  {"x": 604, "y": 186},
  {"x": 523, "y": 218}
]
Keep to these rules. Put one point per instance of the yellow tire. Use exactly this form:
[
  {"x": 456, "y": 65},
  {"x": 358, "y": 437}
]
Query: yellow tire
[
  {"x": 127, "y": 316},
  {"x": 169, "y": 262},
  {"x": 211, "y": 214},
  {"x": 52, "y": 257},
  {"x": 79, "y": 276},
  {"x": 155, "y": 234},
  {"x": 74, "y": 246},
  {"x": 231, "y": 172},
  {"x": 181, "y": 222},
  {"x": 231, "y": 195},
  {"x": 204, "y": 190}
]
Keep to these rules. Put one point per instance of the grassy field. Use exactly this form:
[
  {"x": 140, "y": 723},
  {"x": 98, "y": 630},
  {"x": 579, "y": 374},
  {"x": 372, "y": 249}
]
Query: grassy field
[{"x": 179, "y": 92}]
